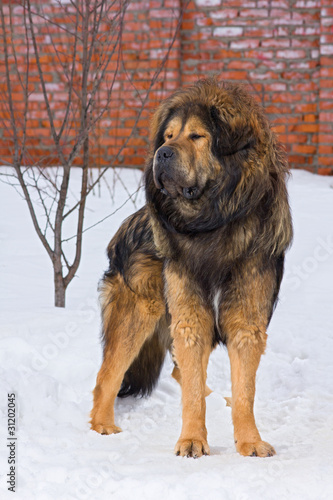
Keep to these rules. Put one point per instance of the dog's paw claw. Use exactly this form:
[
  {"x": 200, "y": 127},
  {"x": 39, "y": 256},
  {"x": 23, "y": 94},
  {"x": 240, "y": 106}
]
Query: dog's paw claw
[
  {"x": 194, "y": 448},
  {"x": 106, "y": 429},
  {"x": 258, "y": 449}
]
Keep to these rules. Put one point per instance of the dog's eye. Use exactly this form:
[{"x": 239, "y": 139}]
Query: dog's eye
[
  {"x": 194, "y": 137},
  {"x": 169, "y": 136}
]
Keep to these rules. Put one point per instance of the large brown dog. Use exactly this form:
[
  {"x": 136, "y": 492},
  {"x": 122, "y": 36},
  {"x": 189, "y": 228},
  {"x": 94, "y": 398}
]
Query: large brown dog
[{"x": 200, "y": 263}]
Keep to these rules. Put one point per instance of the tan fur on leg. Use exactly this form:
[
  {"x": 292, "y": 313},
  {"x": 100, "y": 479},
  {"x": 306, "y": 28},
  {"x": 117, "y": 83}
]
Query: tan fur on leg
[
  {"x": 191, "y": 329},
  {"x": 129, "y": 319},
  {"x": 244, "y": 362},
  {"x": 176, "y": 375},
  {"x": 245, "y": 323}
]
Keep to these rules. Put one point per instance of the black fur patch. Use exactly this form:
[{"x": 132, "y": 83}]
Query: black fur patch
[{"x": 142, "y": 376}]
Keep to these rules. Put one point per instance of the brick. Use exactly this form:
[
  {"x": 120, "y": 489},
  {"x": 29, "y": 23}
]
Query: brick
[
  {"x": 326, "y": 128},
  {"x": 297, "y": 159},
  {"x": 326, "y": 72},
  {"x": 307, "y": 31},
  {"x": 294, "y": 75},
  {"x": 326, "y": 117},
  {"x": 228, "y": 31},
  {"x": 326, "y": 150},
  {"x": 254, "y": 13},
  {"x": 241, "y": 3},
  {"x": 208, "y": 3},
  {"x": 326, "y": 39},
  {"x": 258, "y": 32},
  {"x": 303, "y": 87},
  {"x": 280, "y": 31},
  {"x": 304, "y": 148},
  {"x": 278, "y": 109},
  {"x": 188, "y": 25},
  {"x": 244, "y": 44},
  {"x": 305, "y": 43},
  {"x": 327, "y": 84},
  {"x": 206, "y": 21},
  {"x": 325, "y": 160},
  {"x": 325, "y": 138},
  {"x": 291, "y": 54},
  {"x": 279, "y": 129},
  {"x": 326, "y": 61},
  {"x": 224, "y": 14},
  {"x": 307, "y": 4},
  {"x": 293, "y": 138},
  {"x": 259, "y": 55},
  {"x": 327, "y": 12},
  {"x": 308, "y": 65},
  {"x": 226, "y": 54},
  {"x": 306, "y": 16},
  {"x": 325, "y": 170},
  {"x": 210, "y": 67},
  {"x": 210, "y": 45},
  {"x": 305, "y": 108},
  {"x": 268, "y": 75},
  {"x": 304, "y": 127},
  {"x": 326, "y": 21},
  {"x": 275, "y": 42},
  {"x": 326, "y": 106},
  {"x": 163, "y": 13},
  {"x": 326, "y": 49},
  {"x": 237, "y": 64},
  {"x": 273, "y": 65},
  {"x": 325, "y": 95},
  {"x": 275, "y": 87},
  {"x": 235, "y": 75}
]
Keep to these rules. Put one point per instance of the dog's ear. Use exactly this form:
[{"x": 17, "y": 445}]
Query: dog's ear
[{"x": 230, "y": 136}]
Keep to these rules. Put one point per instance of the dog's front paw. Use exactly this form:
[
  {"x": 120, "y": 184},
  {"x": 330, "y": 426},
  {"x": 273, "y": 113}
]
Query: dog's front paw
[
  {"x": 105, "y": 429},
  {"x": 257, "y": 449},
  {"x": 192, "y": 448}
]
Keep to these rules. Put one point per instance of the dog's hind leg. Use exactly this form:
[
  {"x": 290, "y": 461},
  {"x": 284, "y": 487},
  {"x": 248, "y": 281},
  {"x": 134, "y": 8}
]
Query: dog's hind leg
[{"x": 129, "y": 319}]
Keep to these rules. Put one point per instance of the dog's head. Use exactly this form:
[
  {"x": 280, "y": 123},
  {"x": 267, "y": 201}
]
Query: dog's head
[
  {"x": 182, "y": 163},
  {"x": 211, "y": 158}
]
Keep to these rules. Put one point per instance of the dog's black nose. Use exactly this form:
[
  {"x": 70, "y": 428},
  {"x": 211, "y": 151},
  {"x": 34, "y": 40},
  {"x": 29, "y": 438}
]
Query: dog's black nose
[
  {"x": 191, "y": 193},
  {"x": 164, "y": 154}
]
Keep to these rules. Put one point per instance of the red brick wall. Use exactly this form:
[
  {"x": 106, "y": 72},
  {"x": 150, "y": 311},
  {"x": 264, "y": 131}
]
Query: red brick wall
[{"x": 282, "y": 49}]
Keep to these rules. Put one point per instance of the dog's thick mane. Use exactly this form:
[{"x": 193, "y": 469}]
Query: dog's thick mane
[{"x": 250, "y": 189}]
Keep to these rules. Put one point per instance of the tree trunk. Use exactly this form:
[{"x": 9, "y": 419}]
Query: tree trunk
[{"x": 59, "y": 291}]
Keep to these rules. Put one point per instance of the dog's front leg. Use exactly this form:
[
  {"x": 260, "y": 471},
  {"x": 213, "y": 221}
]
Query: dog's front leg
[
  {"x": 244, "y": 351},
  {"x": 191, "y": 330}
]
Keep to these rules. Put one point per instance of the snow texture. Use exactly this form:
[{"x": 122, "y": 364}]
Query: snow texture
[{"x": 50, "y": 358}]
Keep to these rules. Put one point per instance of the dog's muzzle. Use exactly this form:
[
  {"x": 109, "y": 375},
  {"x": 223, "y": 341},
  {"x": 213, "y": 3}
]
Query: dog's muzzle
[{"x": 165, "y": 176}]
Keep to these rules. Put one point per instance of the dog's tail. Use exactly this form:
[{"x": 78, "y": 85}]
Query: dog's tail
[{"x": 142, "y": 376}]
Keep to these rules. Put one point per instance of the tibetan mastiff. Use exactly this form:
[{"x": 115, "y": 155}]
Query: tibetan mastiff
[{"x": 200, "y": 264}]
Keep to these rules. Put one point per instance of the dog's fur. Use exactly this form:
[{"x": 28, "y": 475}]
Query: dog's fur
[{"x": 200, "y": 264}]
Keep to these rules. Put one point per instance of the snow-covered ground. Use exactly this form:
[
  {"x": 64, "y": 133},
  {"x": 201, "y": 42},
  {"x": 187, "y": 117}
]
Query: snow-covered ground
[{"x": 50, "y": 358}]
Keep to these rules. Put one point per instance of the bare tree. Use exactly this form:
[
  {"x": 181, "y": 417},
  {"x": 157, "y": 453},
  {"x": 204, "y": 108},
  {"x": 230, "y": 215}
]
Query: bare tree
[{"x": 90, "y": 41}]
